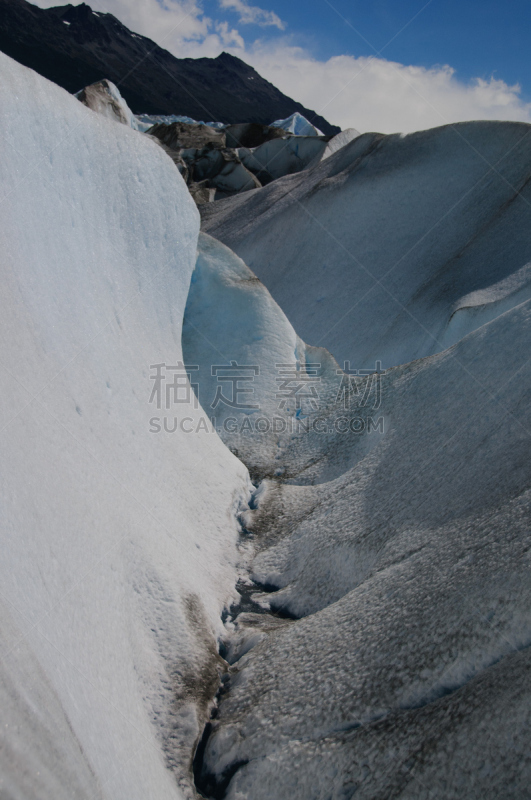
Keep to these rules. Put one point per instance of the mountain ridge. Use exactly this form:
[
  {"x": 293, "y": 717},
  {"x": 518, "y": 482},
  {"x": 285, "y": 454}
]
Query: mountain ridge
[{"x": 75, "y": 46}]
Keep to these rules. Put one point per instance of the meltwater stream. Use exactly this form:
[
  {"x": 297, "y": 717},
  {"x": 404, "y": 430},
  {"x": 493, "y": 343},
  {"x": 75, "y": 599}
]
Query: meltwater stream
[{"x": 247, "y": 623}]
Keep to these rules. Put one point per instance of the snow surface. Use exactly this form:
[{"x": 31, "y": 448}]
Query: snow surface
[
  {"x": 119, "y": 546},
  {"x": 298, "y": 125},
  {"x": 371, "y": 252}
]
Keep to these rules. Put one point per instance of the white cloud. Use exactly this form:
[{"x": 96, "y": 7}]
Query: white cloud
[
  {"x": 252, "y": 14},
  {"x": 370, "y": 94},
  {"x": 181, "y": 26},
  {"x": 229, "y": 38},
  {"x": 170, "y": 23}
]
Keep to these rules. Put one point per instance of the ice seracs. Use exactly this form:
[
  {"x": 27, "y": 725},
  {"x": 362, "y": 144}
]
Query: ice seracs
[
  {"x": 280, "y": 157},
  {"x": 218, "y": 160},
  {"x": 236, "y": 158},
  {"x": 298, "y": 125},
  {"x": 295, "y": 124}
]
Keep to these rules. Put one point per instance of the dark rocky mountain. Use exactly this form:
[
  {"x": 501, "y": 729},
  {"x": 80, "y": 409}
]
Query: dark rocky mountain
[{"x": 75, "y": 46}]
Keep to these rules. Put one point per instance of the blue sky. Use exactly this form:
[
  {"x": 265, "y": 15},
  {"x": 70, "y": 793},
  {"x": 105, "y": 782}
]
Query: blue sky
[
  {"x": 442, "y": 61},
  {"x": 478, "y": 39}
]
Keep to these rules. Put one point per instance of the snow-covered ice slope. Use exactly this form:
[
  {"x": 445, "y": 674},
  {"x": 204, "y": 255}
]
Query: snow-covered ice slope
[
  {"x": 407, "y": 672},
  {"x": 372, "y": 252},
  {"x": 118, "y": 545}
]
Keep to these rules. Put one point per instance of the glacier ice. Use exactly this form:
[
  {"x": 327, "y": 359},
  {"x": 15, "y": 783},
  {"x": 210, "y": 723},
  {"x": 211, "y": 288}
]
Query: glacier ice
[
  {"x": 230, "y": 316},
  {"x": 280, "y": 157},
  {"x": 337, "y": 142},
  {"x": 298, "y": 125},
  {"x": 406, "y": 576},
  {"x": 387, "y": 236},
  {"x": 118, "y": 546},
  {"x": 210, "y": 163},
  {"x": 401, "y": 561},
  {"x": 379, "y": 641}
]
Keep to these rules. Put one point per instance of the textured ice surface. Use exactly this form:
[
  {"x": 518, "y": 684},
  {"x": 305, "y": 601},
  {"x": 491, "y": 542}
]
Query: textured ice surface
[
  {"x": 405, "y": 672},
  {"x": 410, "y": 575},
  {"x": 118, "y": 545},
  {"x": 387, "y": 236},
  {"x": 231, "y": 317},
  {"x": 397, "y": 563}
]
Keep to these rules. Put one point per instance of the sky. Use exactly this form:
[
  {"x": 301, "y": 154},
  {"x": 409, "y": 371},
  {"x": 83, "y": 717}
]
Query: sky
[{"x": 378, "y": 65}]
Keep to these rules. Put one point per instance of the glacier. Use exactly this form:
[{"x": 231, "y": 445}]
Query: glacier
[
  {"x": 397, "y": 666},
  {"x": 296, "y": 124},
  {"x": 322, "y": 598},
  {"x": 410, "y": 227},
  {"x": 119, "y": 546}
]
